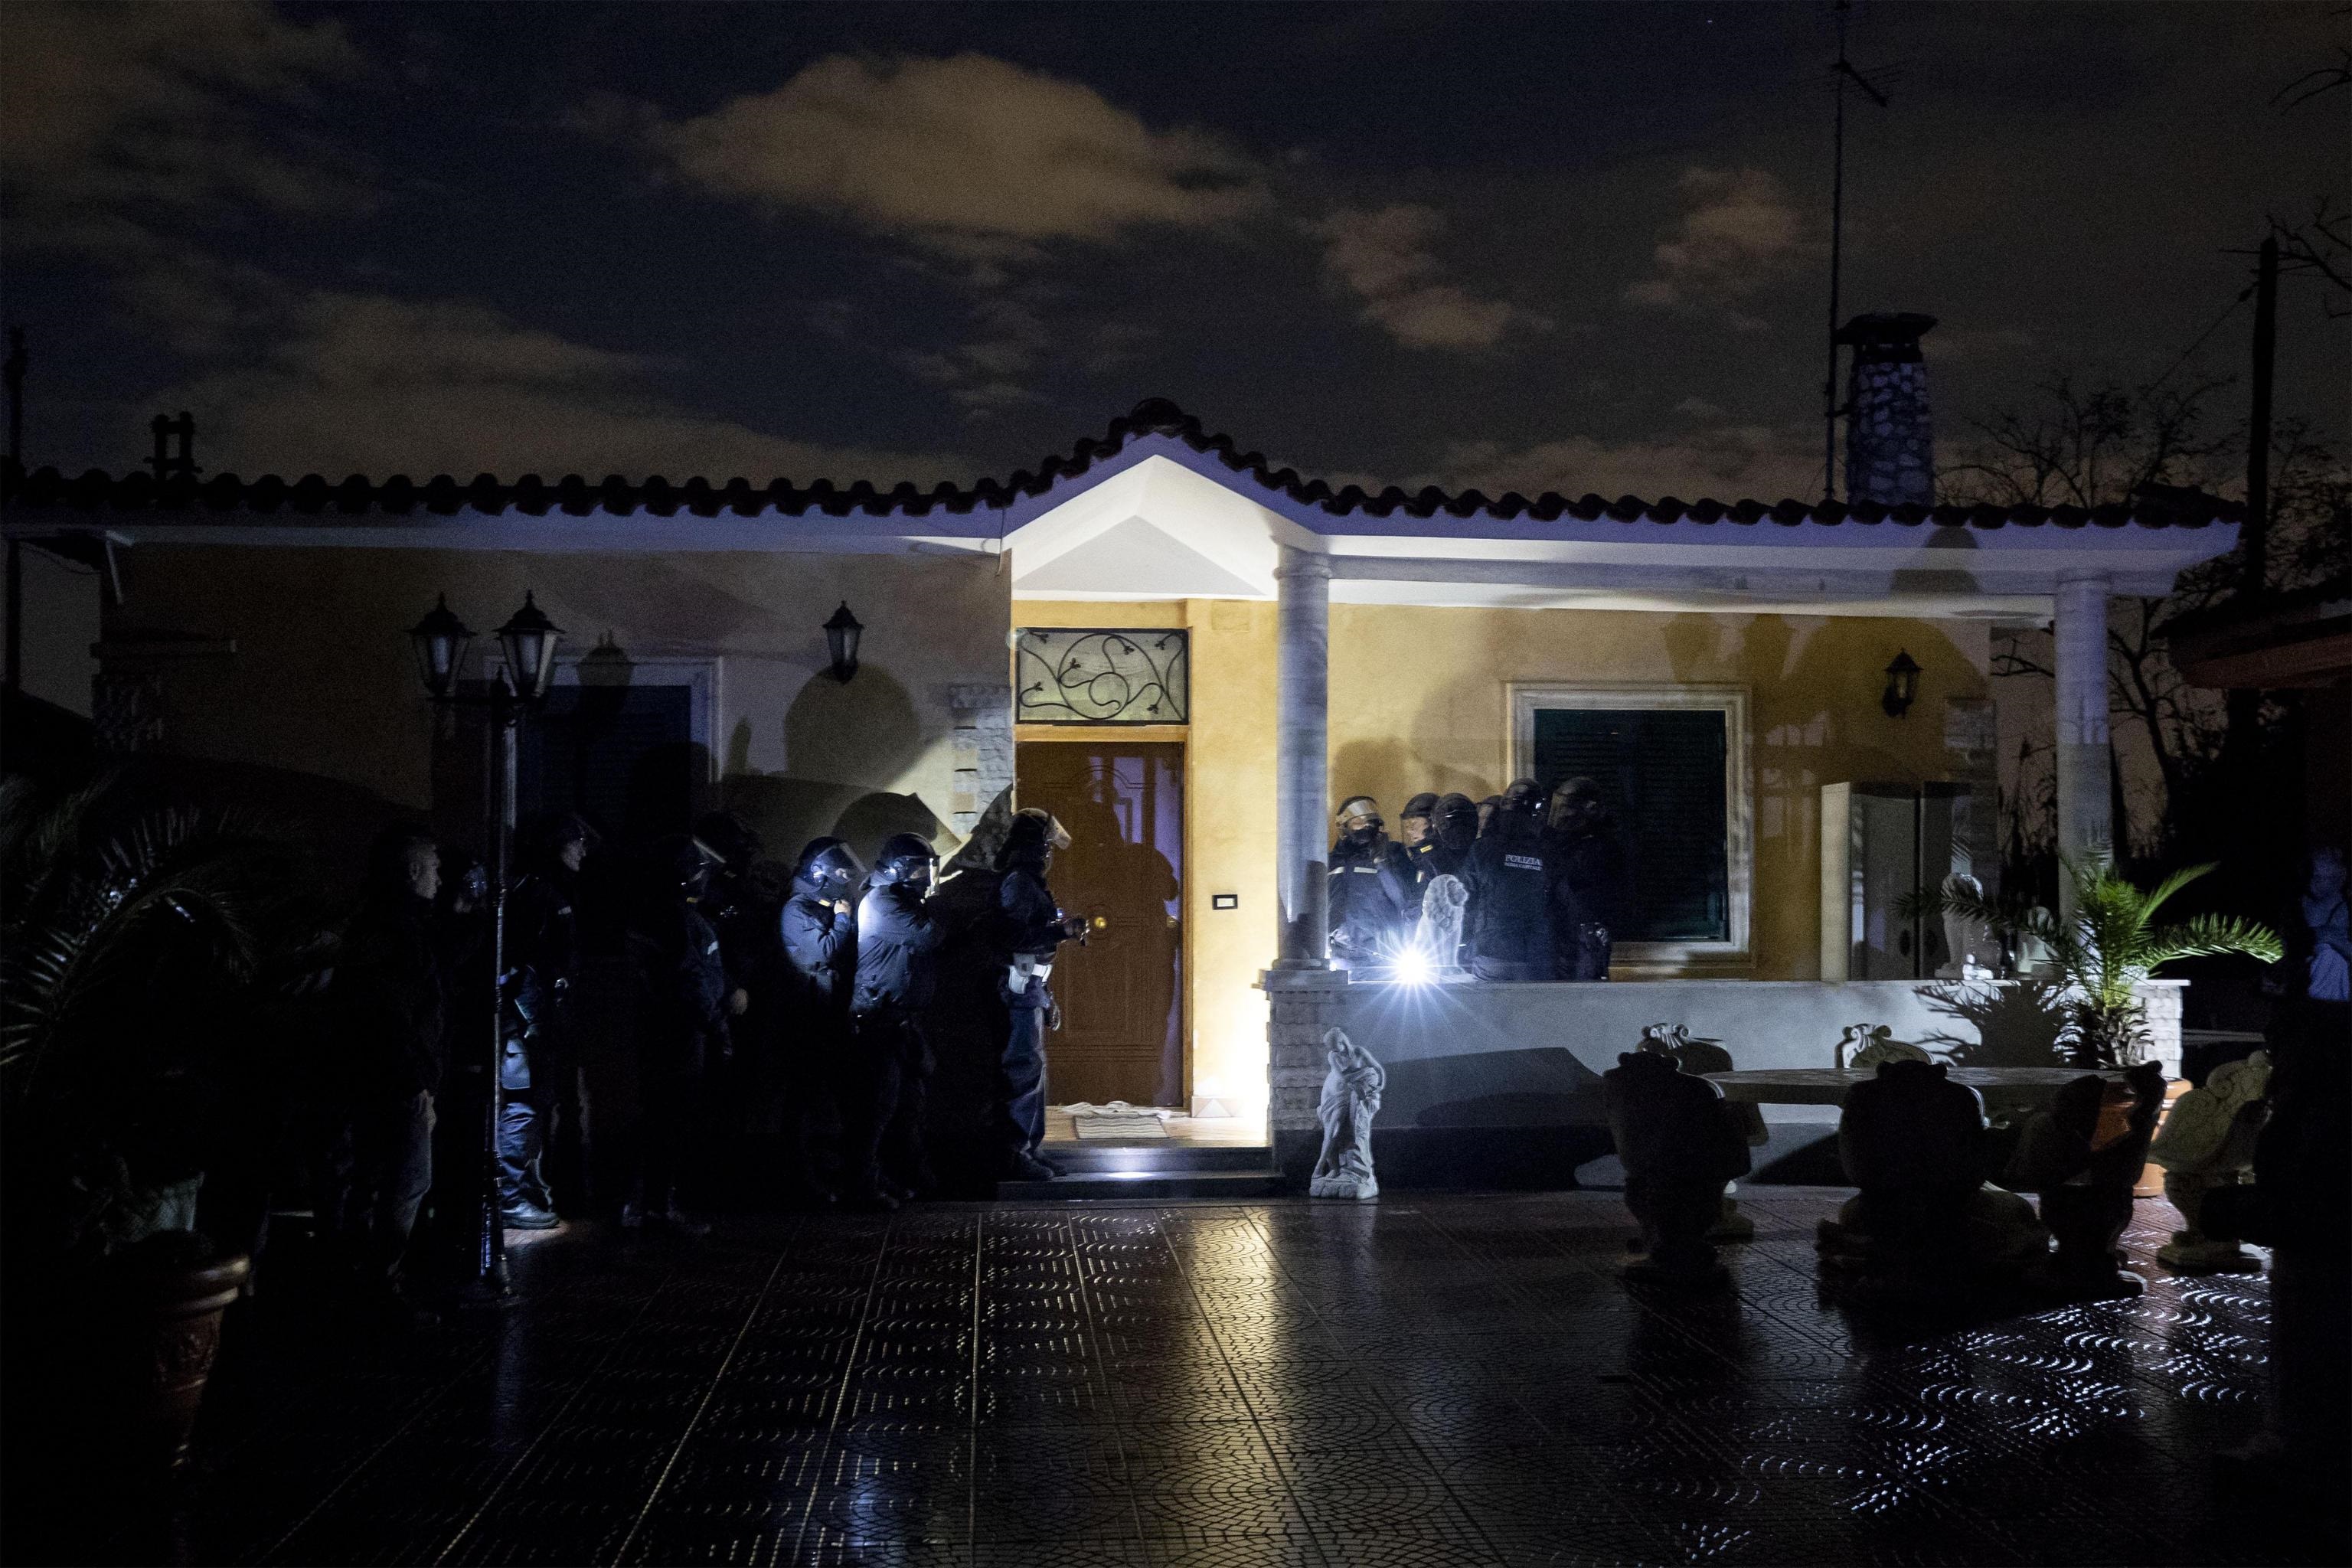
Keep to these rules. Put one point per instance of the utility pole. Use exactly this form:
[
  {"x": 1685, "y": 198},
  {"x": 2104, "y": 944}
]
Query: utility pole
[
  {"x": 13, "y": 677},
  {"x": 2253, "y": 539},
  {"x": 1840, "y": 73},
  {"x": 14, "y": 371}
]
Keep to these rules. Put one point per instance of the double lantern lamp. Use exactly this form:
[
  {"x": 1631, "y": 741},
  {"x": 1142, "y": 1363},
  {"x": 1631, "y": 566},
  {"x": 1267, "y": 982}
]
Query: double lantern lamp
[{"x": 528, "y": 642}]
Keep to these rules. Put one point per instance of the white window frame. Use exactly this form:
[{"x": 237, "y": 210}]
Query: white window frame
[{"x": 1524, "y": 699}]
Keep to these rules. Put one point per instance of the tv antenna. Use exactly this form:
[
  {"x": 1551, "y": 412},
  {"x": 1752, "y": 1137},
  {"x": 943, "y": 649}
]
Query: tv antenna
[{"x": 1841, "y": 73}]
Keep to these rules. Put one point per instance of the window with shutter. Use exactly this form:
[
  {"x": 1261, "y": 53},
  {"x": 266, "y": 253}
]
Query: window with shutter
[{"x": 1671, "y": 764}]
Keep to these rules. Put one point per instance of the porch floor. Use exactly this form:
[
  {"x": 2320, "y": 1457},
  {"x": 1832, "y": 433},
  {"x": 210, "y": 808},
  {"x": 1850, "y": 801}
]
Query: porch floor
[
  {"x": 1183, "y": 1131},
  {"x": 1448, "y": 1379}
]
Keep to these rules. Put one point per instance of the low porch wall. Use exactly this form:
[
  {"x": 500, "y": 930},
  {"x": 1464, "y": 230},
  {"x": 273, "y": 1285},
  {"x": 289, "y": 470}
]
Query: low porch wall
[{"x": 1504, "y": 1082}]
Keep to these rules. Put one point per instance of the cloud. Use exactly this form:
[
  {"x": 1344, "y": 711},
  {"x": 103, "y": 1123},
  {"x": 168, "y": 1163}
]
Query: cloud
[
  {"x": 985, "y": 372},
  {"x": 1383, "y": 257},
  {"x": 102, "y": 107},
  {"x": 367, "y": 384},
  {"x": 1726, "y": 462},
  {"x": 1737, "y": 234},
  {"x": 969, "y": 153}
]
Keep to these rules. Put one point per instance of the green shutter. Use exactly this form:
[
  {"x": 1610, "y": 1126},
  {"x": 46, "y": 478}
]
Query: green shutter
[{"x": 1662, "y": 771}]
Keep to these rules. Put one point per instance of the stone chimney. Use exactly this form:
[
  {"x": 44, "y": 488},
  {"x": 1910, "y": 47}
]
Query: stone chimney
[{"x": 1890, "y": 444}]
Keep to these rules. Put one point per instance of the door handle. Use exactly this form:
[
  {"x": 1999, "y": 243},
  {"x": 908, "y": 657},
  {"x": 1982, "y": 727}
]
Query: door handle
[{"x": 1102, "y": 922}]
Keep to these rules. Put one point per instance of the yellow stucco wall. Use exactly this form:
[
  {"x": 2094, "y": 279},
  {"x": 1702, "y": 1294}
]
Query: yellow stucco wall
[
  {"x": 801, "y": 754},
  {"x": 1228, "y": 828},
  {"x": 1418, "y": 702}
]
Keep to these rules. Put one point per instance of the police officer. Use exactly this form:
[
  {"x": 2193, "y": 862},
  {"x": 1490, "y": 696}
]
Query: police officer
[
  {"x": 1429, "y": 853},
  {"x": 543, "y": 952},
  {"x": 1456, "y": 831},
  {"x": 1030, "y": 927},
  {"x": 743, "y": 904},
  {"x": 679, "y": 982},
  {"x": 898, "y": 941},
  {"x": 391, "y": 995},
  {"x": 1587, "y": 870},
  {"x": 1371, "y": 900},
  {"x": 1510, "y": 887},
  {"x": 818, "y": 933}
]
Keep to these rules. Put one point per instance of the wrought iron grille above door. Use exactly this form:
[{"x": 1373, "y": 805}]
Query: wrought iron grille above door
[{"x": 1092, "y": 675}]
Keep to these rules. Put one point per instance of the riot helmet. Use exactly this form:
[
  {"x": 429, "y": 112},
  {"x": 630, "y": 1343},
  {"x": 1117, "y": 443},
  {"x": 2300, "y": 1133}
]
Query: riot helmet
[
  {"x": 1576, "y": 803},
  {"x": 905, "y": 859},
  {"x": 731, "y": 841},
  {"x": 548, "y": 840},
  {"x": 1417, "y": 823},
  {"x": 679, "y": 865},
  {"x": 1360, "y": 819},
  {"x": 1458, "y": 822},
  {"x": 829, "y": 869}
]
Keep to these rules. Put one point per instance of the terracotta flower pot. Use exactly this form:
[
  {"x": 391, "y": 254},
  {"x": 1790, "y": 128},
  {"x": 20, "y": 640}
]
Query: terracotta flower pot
[{"x": 148, "y": 1337}]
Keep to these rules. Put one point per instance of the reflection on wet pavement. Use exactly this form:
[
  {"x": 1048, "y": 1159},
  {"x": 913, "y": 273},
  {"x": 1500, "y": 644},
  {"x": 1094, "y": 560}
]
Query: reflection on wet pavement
[{"x": 1438, "y": 1379}]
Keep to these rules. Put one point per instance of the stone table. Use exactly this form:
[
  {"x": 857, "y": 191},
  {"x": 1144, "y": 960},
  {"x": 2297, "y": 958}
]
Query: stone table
[{"x": 2002, "y": 1089}]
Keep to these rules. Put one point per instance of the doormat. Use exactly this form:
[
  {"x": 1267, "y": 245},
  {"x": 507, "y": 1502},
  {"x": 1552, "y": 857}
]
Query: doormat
[{"x": 1115, "y": 1124}]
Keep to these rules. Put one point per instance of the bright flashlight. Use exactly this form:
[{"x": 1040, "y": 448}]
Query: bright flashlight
[{"x": 1412, "y": 967}]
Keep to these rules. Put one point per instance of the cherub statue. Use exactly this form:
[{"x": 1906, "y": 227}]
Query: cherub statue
[
  {"x": 1352, "y": 1094},
  {"x": 2208, "y": 1142},
  {"x": 1924, "y": 1221},
  {"x": 2082, "y": 1154},
  {"x": 1679, "y": 1146},
  {"x": 1439, "y": 932},
  {"x": 1698, "y": 1057},
  {"x": 1692, "y": 1053},
  {"x": 1864, "y": 1046}
]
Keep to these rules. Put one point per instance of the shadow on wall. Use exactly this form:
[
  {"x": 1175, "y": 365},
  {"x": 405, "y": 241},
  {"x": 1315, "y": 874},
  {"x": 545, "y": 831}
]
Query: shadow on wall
[
  {"x": 840, "y": 740},
  {"x": 867, "y": 730}
]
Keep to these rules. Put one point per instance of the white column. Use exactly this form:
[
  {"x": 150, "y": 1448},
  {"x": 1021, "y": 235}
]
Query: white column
[
  {"x": 1302, "y": 723},
  {"x": 2080, "y": 631}
]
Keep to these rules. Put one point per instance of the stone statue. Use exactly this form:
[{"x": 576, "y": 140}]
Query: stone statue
[
  {"x": 1439, "y": 934},
  {"x": 1924, "y": 1219},
  {"x": 1352, "y": 1094},
  {"x": 1700, "y": 1056},
  {"x": 1692, "y": 1053},
  {"x": 1864, "y": 1046},
  {"x": 2032, "y": 953},
  {"x": 1971, "y": 951},
  {"x": 2207, "y": 1141},
  {"x": 1679, "y": 1146},
  {"x": 2082, "y": 1156}
]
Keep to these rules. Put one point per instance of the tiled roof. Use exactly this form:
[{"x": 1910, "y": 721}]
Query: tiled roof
[{"x": 98, "y": 490}]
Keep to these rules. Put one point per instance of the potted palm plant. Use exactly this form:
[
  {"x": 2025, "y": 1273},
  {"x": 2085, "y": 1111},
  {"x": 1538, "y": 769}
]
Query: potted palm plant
[
  {"x": 2111, "y": 944},
  {"x": 138, "y": 948}
]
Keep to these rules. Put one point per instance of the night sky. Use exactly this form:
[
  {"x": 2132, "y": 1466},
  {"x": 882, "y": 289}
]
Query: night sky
[{"x": 1534, "y": 246}]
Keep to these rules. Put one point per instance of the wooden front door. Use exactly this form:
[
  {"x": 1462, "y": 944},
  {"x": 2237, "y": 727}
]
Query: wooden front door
[{"x": 1122, "y": 1025}]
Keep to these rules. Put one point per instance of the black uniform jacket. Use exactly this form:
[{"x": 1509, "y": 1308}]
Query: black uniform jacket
[
  {"x": 898, "y": 941},
  {"x": 1373, "y": 895},
  {"x": 1510, "y": 886},
  {"x": 820, "y": 954}
]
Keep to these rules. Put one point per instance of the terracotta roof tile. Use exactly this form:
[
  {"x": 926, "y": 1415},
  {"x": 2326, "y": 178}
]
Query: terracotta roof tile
[{"x": 616, "y": 496}]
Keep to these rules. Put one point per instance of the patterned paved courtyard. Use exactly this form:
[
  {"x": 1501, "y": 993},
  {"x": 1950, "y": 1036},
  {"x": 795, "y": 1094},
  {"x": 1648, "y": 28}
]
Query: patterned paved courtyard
[{"x": 1430, "y": 1379}]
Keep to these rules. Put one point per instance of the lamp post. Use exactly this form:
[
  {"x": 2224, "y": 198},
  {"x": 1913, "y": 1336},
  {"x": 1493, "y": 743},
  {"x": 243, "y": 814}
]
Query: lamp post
[{"x": 527, "y": 644}]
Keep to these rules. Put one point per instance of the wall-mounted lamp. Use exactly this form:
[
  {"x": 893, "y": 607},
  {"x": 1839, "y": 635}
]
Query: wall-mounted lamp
[
  {"x": 1902, "y": 685},
  {"x": 841, "y": 635}
]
